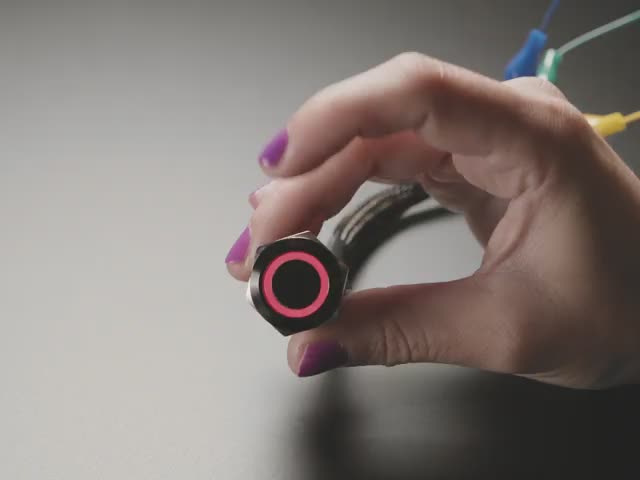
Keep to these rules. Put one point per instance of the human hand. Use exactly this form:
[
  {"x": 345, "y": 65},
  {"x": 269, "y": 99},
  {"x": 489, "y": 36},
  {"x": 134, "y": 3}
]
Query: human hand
[{"x": 557, "y": 296}]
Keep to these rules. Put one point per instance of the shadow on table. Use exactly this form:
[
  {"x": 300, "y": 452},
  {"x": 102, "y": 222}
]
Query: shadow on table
[{"x": 485, "y": 426}]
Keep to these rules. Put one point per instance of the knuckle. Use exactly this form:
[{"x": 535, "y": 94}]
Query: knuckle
[
  {"x": 544, "y": 85},
  {"x": 408, "y": 59},
  {"x": 394, "y": 347},
  {"x": 565, "y": 121},
  {"x": 574, "y": 125},
  {"x": 536, "y": 85},
  {"x": 422, "y": 70}
]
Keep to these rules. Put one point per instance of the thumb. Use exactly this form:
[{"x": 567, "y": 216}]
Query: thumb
[{"x": 463, "y": 322}]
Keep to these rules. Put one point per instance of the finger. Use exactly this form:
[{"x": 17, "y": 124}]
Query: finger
[
  {"x": 482, "y": 210},
  {"x": 453, "y": 109},
  {"x": 536, "y": 86},
  {"x": 291, "y": 205},
  {"x": 452, "y": 190},
  {"x": 466, "y": 322},
  {"x": 447, "y": 184}
]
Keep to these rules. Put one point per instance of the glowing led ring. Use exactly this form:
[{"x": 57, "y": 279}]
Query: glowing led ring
[{"x": 270, "y": 296}]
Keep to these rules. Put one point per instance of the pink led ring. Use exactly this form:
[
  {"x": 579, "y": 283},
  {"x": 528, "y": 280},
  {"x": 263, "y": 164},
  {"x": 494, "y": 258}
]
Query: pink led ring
[{"x": 272, "y": 300}]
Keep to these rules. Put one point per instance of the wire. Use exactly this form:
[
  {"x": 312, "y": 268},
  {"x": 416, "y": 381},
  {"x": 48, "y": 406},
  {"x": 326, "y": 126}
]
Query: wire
[
  {"x": 611, "y": 123},
  {"x": 632, "y": 117},
  {"x": 598, "y": 32},
  {"x": 388, "y": 203},
  {"x": 525, "y": 61},
  {"x": 375, "y": 221},
  {"x": 548, "y": 67},
  {"x": 551, "y": 9}
]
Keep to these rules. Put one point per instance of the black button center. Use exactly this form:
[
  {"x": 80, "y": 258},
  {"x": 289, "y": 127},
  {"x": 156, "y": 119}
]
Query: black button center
[{"x": 296, "y": 284}]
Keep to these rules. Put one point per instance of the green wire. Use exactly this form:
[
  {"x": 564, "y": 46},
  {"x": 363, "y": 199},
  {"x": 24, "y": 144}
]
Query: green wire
[{"x": 587, "y": 37}]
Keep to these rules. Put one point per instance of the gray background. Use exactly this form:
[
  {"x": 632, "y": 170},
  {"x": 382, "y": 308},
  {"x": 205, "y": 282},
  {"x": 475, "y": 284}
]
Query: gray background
[{"x": 128, "y": 137}]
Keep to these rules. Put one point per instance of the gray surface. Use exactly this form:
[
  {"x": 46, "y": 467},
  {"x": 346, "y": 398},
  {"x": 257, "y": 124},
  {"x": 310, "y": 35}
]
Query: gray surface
[{"x": 128, "y": 136}]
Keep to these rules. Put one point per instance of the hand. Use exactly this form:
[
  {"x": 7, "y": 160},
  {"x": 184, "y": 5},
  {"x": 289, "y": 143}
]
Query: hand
[{"x": 557, "y": 296}]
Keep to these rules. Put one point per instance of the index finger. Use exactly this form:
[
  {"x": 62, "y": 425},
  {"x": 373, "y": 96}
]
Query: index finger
[{"x": 453, "y": 109}]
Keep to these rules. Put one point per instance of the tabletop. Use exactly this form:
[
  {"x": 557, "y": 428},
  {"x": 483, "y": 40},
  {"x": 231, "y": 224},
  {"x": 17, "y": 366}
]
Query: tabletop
[{"x": 128, "y": 141}]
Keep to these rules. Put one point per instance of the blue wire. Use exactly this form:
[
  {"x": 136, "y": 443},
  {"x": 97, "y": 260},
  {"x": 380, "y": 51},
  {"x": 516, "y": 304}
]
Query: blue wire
[{"x": 548, "y": 14}]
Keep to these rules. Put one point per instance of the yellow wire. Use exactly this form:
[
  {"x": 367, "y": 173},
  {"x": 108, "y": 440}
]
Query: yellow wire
[{"x": 632, "y": 117}]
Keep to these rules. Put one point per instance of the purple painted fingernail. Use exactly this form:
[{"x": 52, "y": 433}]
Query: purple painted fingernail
[
  {"x": 320, "y": 357},
  {"x": 239, "y": 249},
  {"x": 274, "y": 150}
]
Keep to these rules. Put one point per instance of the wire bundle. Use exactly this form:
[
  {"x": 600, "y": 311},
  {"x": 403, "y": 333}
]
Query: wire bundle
[{"x": 377, "y": 219}]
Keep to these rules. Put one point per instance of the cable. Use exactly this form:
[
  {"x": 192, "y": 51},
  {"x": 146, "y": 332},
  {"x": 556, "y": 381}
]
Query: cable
[
  {"x": 632, "y": 117},
  {"x": 525, "y": 62},
  {"x": 611, "y": 123},
  {"x": 375, "y": 221},
  {"x": 598, "y": 32},
  {"x": 548, "y": 68},
  {"x": 551, "y": 9},
  {"x": 388, "y": 203}
]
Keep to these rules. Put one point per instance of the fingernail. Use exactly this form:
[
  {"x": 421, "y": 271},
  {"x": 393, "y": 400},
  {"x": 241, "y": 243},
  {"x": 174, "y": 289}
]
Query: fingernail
[
  {"x": 320, "y": 357},
  {"x": 274, "y": 150},
  {"x": 239, "y": 249}
]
